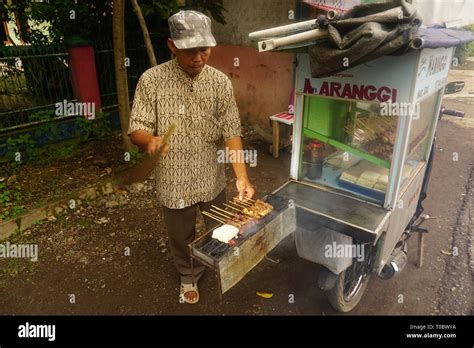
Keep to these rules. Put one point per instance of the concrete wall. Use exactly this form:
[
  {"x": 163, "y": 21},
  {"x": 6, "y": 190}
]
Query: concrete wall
[
  {"x": 262, "y": 81},
  {"x": 245, "y": 16}
]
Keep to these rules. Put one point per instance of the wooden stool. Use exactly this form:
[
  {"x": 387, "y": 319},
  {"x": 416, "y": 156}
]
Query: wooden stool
[{"x": 284, "y": 118}]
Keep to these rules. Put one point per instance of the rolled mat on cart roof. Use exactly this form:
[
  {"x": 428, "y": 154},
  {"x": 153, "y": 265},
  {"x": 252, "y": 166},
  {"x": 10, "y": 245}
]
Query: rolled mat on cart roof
[{"x": 369, "y": 31}]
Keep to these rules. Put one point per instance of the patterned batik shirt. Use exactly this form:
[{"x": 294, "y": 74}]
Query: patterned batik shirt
[{"x": 206, "y": 115}]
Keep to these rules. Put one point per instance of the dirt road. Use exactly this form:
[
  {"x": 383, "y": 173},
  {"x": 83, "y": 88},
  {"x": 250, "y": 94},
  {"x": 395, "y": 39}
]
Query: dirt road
[{"x": 84, "y": 268}]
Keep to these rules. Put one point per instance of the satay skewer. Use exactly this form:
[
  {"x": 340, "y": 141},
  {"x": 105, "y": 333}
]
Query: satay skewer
[
  {"x": 214, "y": 217},
  {"x": 240, "y": 205},
  {"x": 247, "y": 204},
  {"x": 225, "y": 216},
  {"x": 243, "y": 201},
  {"x": 224, "y": 211},
  {"x": 231, "y": 207}
]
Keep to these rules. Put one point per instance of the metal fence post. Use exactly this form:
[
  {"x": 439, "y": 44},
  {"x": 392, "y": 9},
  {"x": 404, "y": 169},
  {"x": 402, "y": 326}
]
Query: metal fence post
[{"x": 84, "y": 75}]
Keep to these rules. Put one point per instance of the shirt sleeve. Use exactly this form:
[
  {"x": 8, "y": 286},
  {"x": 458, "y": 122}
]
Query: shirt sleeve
[
  {"x": 229, "y": 114},
  {"x": 143, "y": 114}
]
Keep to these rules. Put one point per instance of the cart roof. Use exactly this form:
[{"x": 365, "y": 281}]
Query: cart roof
[
  {"x": 439, "y": 36},
  {"x": 369, "y": 31}
]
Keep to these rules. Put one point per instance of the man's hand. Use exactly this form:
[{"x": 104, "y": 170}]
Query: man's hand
[
  {"x": 156, "y": 144},
  {"x": 245, "y": 188},
  {"x": 149, "y": 143}
]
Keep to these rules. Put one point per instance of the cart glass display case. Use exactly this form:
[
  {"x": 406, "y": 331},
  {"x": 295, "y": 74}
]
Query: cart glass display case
[
  {"x": 347, "y": 145},
  {"x": 367, "y": 132}
]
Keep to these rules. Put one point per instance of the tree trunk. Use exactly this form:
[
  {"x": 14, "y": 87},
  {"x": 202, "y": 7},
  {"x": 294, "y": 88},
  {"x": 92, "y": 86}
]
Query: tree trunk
[
  {"x": 146, "y": 34},
  {"x": 121, "y": 70}
]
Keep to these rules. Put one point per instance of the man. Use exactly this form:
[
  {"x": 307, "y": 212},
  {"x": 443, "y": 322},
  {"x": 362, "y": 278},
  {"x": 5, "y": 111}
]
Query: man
[{"x": 200, "y": 101}]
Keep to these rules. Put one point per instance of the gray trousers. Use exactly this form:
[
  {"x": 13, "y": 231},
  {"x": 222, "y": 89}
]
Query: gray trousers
[{"x": 181, "y": 228}]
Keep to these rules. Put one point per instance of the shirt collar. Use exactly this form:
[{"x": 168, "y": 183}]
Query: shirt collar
[{"x": 184, "y": 75}]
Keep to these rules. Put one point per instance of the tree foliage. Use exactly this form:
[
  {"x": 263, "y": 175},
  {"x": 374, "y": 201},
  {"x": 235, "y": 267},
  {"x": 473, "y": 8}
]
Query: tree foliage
[{"x": 58, "y": 20}]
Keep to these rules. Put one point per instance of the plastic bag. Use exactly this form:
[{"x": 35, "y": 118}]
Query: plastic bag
[{"x": 324, "y": 246}]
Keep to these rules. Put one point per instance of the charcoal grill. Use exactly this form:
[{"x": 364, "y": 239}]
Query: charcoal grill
[{"x": 232, "y": 261}]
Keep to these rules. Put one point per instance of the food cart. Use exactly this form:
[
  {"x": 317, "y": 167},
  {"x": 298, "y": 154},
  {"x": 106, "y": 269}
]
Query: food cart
[{"x": 362, "y": 141}]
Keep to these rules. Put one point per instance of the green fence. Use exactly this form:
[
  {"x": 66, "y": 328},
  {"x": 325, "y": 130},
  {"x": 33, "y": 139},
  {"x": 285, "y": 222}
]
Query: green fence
[
  {"x": 34, "y": 78},
  {"x": 31, "y": 79}
]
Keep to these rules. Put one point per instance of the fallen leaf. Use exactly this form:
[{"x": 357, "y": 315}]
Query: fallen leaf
[{"x": 264, "y": 294}]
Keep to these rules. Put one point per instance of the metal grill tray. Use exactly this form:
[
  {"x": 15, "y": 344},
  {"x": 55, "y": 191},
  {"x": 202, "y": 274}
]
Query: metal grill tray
[
  {"x": 215, "y": 250},
  {"x": 251, "y": 247}
]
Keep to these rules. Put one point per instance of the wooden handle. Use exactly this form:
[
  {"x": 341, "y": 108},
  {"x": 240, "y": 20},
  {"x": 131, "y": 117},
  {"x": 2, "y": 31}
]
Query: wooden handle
[{"x": 169, "y": 133}]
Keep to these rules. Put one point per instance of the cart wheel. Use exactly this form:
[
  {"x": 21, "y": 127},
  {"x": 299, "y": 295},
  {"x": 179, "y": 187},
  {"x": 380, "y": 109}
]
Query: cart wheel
[{"x": 350, "y": 286}]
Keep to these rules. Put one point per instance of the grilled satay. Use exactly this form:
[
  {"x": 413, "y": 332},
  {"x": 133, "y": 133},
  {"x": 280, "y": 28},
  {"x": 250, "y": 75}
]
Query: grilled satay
[
  {"x": 258, "y": 209},
  {"x": 240, "y": 220},
  {"x": 250, "y": 212},
  {"x": 248, "y": 217},
  {"x": 258, "y": 202}
]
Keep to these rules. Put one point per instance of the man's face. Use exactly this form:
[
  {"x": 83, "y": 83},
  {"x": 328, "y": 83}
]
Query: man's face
[{"x": 192, "y": 60}]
